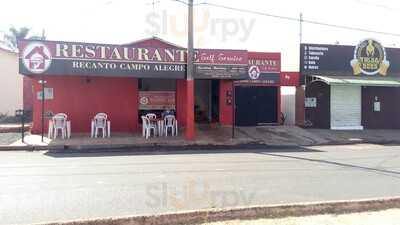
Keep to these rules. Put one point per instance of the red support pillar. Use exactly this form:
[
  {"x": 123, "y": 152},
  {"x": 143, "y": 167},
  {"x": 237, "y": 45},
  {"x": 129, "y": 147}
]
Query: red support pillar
[
  {"x": 190, "y": 124},
  {"x": 279, "y": 105}
]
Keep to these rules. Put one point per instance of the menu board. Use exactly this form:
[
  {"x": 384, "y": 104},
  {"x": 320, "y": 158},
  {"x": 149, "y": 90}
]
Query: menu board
[
  {"x": 337, "y": 60},
  {"x": 220, "y": 64},
  {"x": 325, "y": 59}
]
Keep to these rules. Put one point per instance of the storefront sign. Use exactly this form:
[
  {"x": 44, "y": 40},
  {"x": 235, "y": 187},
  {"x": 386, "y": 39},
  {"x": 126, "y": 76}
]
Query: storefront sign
[
  {"x": 156, "y": 100},
  {"x": 368, "y": 58},
  {"x": 86, "y": 59},
  {"x": 264, "y": 68},
  {"x": 220, "y": 64}
]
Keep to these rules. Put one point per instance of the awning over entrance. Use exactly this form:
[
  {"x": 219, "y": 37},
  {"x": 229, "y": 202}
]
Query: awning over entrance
[{"x": 359, "y": 81}]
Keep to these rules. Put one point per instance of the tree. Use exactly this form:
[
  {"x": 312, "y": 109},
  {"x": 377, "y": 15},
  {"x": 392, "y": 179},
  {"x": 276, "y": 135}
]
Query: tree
[{"x": 14, "y": 34}]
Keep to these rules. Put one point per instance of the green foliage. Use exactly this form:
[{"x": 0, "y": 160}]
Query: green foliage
[{"x": 14, "y": 34}]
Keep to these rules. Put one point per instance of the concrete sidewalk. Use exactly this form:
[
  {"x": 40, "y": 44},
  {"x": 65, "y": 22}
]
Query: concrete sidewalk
[
  {"x": 357, "y": 136},
  {"x": 383, "y": 217},
  {"x": 212, "y": 137}
]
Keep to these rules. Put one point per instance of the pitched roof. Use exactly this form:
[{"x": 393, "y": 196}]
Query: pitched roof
[{"x": 154, "y": 38}]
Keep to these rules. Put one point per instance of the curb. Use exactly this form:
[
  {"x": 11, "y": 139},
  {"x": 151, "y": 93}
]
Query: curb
[
  {"x": 140, "y": 148},
  {"x": 330, "y": 143},
  {"x": 156, "y": 148},
  {"x": 174, "y": 148},
  {"x": 255, "y": 212},
  {"x": 17, "y": 148}
]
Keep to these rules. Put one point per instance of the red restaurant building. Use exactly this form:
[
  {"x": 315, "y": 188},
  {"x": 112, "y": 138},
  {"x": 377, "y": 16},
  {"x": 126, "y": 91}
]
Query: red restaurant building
[{"x": 124, "y": 81}]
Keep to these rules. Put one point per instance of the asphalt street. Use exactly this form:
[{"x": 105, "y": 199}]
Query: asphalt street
[{"x": 42, "y": 187}]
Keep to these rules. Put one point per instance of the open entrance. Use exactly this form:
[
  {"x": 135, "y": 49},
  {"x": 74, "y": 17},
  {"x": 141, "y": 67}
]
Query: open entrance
[
  {"x": 207, "y": 101},
  {"x": 256, "y": 105}
]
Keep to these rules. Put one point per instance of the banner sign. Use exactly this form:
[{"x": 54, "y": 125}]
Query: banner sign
[
  {"x": 155, "y": 60},
  {"x": 368, "y": 58},
  {"x": 156, "y": 100},
  {"x": 86, "y": 59},
  {"x": 220, "y": 64},
  {"x": 264, "y": 68}
]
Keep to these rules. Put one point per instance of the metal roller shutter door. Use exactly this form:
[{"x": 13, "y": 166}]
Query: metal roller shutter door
[{"x": 346, "y": 107}]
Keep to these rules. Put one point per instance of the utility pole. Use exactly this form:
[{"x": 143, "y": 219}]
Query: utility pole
[
  {"x": 43, "y": 35},
  {"x": 190, "y": 41},
  {"x": 190, "y": 125},
  {"x": 301, "y": 28},
  {"x": 42, "y": 82}
]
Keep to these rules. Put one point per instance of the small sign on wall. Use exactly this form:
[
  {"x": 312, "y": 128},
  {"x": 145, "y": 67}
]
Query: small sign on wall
[
  {"x": 48, "y": 94},
  {"x": 310, "y": 102},
  {"x": 156, "y": 100},
  {"x": 377, "y": 106}
]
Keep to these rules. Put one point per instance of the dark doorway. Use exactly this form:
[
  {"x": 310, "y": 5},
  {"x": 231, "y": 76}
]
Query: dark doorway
[
  {"x": 206, "y": 101},
  {"x": 215, "y": 101},
  {"x": 380, "y": 109},
  {"x": 318, "y": 116},
  {"x": 256, "y": 105}
]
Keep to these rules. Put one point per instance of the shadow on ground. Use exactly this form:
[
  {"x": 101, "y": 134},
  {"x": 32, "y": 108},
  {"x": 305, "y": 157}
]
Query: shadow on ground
[
  {"x": 392, "y": 173},
  {"x": 190, "y": 150}
]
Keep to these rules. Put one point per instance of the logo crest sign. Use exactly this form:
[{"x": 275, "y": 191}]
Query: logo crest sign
[
  {"x": 369, "y": 58},
  {"x": 36, "y": 57},
  {"x": 254, "y": 72}
]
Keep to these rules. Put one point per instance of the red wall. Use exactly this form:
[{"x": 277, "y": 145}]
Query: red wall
[
  {"x": 290, "y": 78},
  {"x": 27, "y": 93},
  {"x": 81, "y": 98},
  {"x": 181, "y": 102},
  {"x": 225, "y": 111}
]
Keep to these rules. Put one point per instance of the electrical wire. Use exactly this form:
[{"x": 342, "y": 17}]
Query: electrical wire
[{"x": 298, "y": 19}]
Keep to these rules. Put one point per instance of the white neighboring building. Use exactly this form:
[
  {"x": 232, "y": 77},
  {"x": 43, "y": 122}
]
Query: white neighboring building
[
  {"x": 288, "y": 104},
  {"x": 11, "y": 84}
]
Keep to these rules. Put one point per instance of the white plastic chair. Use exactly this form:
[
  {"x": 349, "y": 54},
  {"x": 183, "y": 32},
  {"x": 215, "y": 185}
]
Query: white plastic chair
[
  {"x": 100, "y": 123},
  {"x": 62, "y": 114},
  {"x": 153, "y": 119},
  {"x": 102, "y": 114},
  {"x": 151, "y": 115},
  {"x": 169, "y": 122},
  {"x": 59, "y": 122},
  {"x": 147, "y": 127}
]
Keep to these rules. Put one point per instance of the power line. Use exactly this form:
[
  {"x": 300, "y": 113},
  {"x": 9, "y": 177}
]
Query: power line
[
  {"x": 298, "y": 20},
  {"x": 194, "y": 4},
  {"x": 294, "y": 19},
  {"x": 377, "y": 5}
]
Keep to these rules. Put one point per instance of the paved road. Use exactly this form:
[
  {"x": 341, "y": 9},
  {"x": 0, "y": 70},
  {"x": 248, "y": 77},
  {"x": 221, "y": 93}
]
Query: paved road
[{"x": 38, "y": 187}]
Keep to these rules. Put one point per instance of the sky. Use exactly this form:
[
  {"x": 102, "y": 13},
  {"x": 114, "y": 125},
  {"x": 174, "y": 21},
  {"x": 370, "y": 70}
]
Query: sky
[{"x": 124, "y": 21}]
